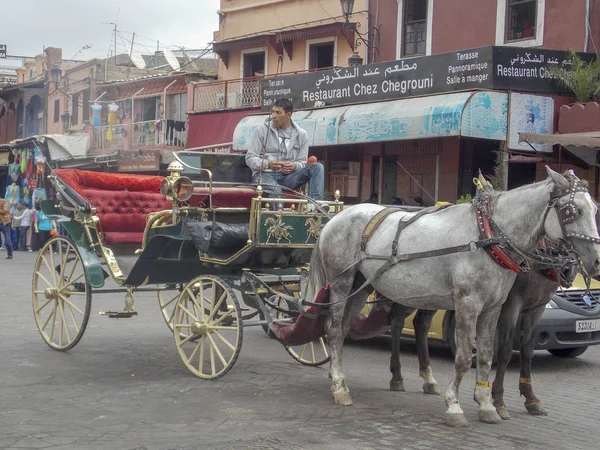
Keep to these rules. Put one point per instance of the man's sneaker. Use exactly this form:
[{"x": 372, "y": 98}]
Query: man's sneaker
[{"x": 9, "y": 257}]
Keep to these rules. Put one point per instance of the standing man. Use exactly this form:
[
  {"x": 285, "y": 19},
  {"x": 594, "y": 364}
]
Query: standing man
[
  {"x": 278, "y": 153},
  {"x": 5, "y": 219}
]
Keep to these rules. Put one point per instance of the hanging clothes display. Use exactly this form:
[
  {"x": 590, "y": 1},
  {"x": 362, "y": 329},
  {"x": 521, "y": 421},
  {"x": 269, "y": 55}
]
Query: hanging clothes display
[
  {"x": 112, "y": 119},
  {"x": 96, "y": 111}
]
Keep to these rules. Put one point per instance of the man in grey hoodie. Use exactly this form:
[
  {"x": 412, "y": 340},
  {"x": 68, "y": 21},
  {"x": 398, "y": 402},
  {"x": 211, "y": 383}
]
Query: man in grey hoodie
[{"x": 278, "y": 154}]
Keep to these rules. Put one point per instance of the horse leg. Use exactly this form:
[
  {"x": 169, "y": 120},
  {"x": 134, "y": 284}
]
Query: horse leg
[
  {"x": 505, "y": 330},
  {"x": 397, "y": 314},
  {"x": 422, "y": 324},
  {"x": 528, "y": 322},
  {"x": 464, "y": 334},
  {"x": 486, "y": 332},
  {"x": 337, "y": 326}
]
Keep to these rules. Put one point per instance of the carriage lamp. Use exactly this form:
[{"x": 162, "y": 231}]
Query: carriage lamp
[{"x": 177, "y": 189}]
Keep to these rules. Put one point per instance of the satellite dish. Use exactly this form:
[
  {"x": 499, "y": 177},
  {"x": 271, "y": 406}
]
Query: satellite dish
[
  {"x": 138, "y": 61},
  {"x": 171, "y": 59}
]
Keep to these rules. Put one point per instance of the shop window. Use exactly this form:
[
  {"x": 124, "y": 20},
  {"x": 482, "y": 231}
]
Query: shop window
[
  {"x": 75, "y": 113},
  {"x": 85, "y": 106},
  {"x": 321, "y": 55},
  {"x": 414, "y": 26},
  {"x": 520, "y": 19},
  {"x": 56, "y": 111}
]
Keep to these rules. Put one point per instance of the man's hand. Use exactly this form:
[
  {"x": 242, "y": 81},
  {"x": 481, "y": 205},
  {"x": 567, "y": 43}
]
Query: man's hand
[
  {"x": 288, "y": 166},
  {"x": 275, "y": 165}
]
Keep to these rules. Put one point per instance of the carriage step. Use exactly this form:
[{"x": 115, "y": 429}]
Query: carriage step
[{"x": 118, "y": 314}]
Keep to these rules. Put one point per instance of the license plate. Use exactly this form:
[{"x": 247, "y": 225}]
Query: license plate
[{"x": 584, "y": 326}]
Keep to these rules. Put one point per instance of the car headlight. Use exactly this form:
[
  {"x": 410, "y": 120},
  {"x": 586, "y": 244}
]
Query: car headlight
[{"x": 552, "y": 305}]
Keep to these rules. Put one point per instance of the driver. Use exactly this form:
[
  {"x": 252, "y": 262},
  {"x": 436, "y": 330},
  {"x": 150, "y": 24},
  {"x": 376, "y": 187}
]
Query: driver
[{"x": 278, "y": 153}]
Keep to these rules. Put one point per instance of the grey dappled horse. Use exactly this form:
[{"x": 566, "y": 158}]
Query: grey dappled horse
[{"x": 472, "y": 284}]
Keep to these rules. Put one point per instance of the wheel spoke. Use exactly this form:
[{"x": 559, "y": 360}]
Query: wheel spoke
[
  {"x": 73, "y": 269},
  {"x": 312, "y": 352},
  {"x": 215, "y": 308},
  {"x": 201, "y": 295},
  {"x": 44, "y": 278},
  {"x": 212, "y": 359},
  {"x": 62, "y": 263},
  {"x": 322, "y": 342},
  {"x": 71, "y": 282},
  {"x": 187, "y": 339},
  {"x": 225, "y": 341},
  {"x": 53, "y": 268},
  {"x": 302, "y": 352},
  {"x": 201, "y": 362},
  {"x": 221, "y": 327},
  {"x": 48, "y": 319},
  {"x": 42, "y": 307},
  {"x": 71, "y": 305},
  {"x": 182, "y": 325},
  {"x": 218, "y": 352},
  {"x": 193, "y": 354},
  {"x": 63, "y": 321},
  {"x": 183, "y": 308},
  {"x": 223, "y": 317}
]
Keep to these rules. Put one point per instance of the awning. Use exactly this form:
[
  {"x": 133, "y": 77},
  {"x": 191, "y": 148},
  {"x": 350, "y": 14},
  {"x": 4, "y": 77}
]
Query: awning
[
  {"x": 60, "y": 146},
  {"x": 474, "y": 114},
  {"x": 582, "y": 145}
]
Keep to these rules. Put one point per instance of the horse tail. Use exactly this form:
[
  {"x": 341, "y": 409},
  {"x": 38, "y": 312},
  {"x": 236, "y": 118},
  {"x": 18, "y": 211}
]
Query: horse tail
[{"x": 317, "y": 278}]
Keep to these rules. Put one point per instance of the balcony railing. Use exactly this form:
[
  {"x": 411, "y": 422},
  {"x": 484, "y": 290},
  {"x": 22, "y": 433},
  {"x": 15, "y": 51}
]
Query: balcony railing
[
  {"x": 232, "y": 94},
  {"x": 132, "y": 136}
]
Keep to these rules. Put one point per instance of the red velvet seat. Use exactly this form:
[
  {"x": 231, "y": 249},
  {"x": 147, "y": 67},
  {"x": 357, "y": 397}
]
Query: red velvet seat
[
  {"x": 233, "y": 197},
  {"x": 122, "y": 201}
]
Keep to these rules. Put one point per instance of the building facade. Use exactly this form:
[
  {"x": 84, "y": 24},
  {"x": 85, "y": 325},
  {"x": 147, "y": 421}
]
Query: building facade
[{"x": 260, "y": 40}]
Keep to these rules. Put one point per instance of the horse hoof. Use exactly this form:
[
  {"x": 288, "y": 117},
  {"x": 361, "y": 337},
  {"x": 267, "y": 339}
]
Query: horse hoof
[
  {"x": 536, "y": 409},
  {"x": 456, "y": 420},
  {"x": 342, "y": 398},
  {"x": 397, "y": 386},
  {"x": 431, "y": 389},
  {"x": 503, "y": 412},
  {"x": 489, "y": 416}
]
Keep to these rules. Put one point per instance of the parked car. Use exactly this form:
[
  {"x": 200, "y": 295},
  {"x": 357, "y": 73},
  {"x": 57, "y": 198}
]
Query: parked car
[{"x": 569, "y": 325}]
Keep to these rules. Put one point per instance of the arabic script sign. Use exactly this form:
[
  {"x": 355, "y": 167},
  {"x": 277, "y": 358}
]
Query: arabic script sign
[
  {"x": 504, "y": 68},
  {"x": 2, "y": 50}
]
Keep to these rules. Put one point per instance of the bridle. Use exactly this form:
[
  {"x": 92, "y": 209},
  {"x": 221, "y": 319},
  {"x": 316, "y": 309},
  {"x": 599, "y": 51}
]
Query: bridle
[{"x": 566, "y": 213}]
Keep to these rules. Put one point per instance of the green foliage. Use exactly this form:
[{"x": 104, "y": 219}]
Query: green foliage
[
  {"x": 466, "y": 198},
  {"x": 497, "y": 179},
  {"x": 582, "y": 79}
]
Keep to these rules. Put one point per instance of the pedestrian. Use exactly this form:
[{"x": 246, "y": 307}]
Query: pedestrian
[
  {"x": 43, "y": 226},
  {"x": 25, "y": 222},
  {"x": 5, "y": 219}
]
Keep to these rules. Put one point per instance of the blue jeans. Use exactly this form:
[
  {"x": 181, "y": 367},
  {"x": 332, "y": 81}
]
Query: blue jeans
[
  {"x": 5, "y": 230},
  {"x": 315, "y": 173},
  {"x": 22, "y": 243}
]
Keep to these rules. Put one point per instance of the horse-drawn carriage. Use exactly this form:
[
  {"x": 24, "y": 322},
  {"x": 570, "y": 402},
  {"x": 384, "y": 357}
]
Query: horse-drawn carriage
[{"x": 199, "y": 243}]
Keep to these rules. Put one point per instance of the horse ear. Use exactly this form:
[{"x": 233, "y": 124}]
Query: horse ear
[{"x": 557, "y": 178}]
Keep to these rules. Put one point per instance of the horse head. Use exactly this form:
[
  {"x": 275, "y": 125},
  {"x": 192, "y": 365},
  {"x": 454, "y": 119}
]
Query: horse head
[{"x": 572, "y": 217}]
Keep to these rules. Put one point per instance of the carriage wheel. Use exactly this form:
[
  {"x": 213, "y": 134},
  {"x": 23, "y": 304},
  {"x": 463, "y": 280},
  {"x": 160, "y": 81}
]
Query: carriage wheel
[
  {"x": 167, "y": 299},
  {"x": 207, "y": 325},
  {"x": 313, "y": 354},
  {"x": 61, "y": 296}
]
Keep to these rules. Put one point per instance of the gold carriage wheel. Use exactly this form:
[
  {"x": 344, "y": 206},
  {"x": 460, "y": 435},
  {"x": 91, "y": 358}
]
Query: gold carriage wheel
[
  {"x": 207, "y": 326},
  {"x": 60, "y": 293},
  {"x": 167, "y": 299},
  {"x": 314, "y": 353}
]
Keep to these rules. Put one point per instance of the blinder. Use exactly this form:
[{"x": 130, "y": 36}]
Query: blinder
[{"x": 568, "y": 212}]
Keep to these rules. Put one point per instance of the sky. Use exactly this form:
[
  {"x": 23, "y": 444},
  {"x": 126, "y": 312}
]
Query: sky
[{"x": 31, "y": 25}]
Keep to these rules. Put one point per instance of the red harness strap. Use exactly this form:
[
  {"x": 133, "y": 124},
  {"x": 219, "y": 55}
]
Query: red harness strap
[{"x": 495, "y": 251}]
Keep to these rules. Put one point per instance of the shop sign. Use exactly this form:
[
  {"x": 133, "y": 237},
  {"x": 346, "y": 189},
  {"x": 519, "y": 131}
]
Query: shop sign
[
  {"x": 3, "y": 158},
  {"x": 2, "y": 51},
  {"x": 140, "y": 161},
  {"x": 504, "y": 68}
]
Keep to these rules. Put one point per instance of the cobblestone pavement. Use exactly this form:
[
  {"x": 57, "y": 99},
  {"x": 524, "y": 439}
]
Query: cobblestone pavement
[{"x": 124, "y": 387}]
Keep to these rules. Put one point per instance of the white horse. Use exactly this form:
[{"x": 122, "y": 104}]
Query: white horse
[{"x": 471, "y": 283}]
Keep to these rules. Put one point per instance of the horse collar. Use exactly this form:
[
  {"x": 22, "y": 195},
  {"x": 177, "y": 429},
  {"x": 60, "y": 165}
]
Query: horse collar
[{"x": 487, "y": 232}]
